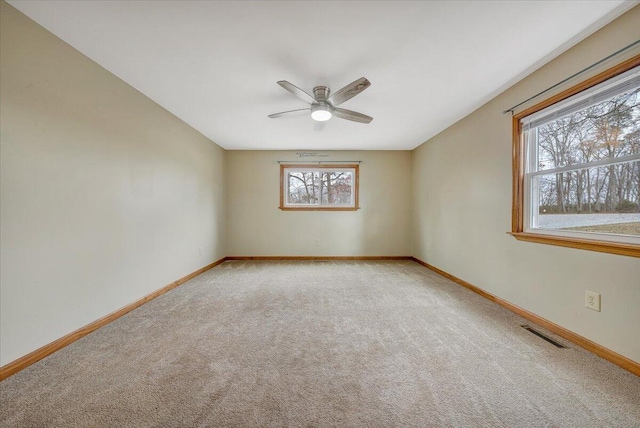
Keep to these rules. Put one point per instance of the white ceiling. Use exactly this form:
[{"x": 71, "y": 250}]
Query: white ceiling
[{"x": 215, "y": 64}]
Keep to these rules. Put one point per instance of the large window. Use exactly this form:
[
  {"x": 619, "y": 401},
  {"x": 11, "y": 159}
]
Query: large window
[
  {"x": 577, "y": 166},
  {"x": 321, "y": 187}
]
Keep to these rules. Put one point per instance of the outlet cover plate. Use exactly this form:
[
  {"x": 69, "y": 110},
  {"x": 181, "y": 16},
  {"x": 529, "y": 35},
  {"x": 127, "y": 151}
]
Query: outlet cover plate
[{"x": 592, "y": 300}]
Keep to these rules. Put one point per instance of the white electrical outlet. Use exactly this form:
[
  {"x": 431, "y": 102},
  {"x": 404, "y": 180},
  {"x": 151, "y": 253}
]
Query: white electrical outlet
[
  {"x": 317, "y": 242},
  {"x": 592, "y": 300}
]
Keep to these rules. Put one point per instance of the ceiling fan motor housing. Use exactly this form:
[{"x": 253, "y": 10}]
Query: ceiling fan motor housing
[{"x": 321, "y": 93}]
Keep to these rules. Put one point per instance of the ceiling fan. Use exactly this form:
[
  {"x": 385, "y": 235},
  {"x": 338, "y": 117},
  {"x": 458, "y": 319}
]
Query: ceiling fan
[{"x": 324, "y": 105}]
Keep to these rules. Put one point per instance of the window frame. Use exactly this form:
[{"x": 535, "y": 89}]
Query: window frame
[
  {"x": 329, "y": 167},
  {"x": 519, "y": 159}
]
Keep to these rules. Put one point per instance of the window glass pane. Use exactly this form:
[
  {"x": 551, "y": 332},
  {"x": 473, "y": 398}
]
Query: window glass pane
[
  {"x": 302, "y": 188},
  {"x": 608, "y": 129},
  {"x": 322, "y": 187},
  {"x": 336, "y": 187},
  {"x": 600, "y": 199}
]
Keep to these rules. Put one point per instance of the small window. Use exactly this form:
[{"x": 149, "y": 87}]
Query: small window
[
  {"x": 322, "y": 187},
  {"x": 577, "y": 166}
]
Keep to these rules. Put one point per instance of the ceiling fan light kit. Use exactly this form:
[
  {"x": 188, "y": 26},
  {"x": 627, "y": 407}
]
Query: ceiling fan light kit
[
  {"x": 323, "y": 106},
  {"x": 321, "y": 112}
]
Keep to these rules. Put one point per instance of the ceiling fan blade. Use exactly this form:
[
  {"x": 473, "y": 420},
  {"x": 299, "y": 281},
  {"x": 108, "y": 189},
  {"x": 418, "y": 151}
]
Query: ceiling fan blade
[
  {"x": 288, "y": 113},
  {"x": 351, "y": 115},
  {"x": 349, "y": 91},
  {"x": 297, "y": 92}
]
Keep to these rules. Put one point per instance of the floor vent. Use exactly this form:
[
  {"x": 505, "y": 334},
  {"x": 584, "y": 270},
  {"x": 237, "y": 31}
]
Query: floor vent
[{"x": 542, "y": 336}]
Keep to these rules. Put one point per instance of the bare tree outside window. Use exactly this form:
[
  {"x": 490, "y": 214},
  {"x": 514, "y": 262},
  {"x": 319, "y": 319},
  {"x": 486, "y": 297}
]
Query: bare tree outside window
[
  {"x": 322, "y": 187},
  {"x": 610, "y": 129},
  {"x": 576, "y": 175}
]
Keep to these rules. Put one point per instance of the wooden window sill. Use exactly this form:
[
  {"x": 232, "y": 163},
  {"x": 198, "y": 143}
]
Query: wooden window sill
[
  {"x": 624, "y": 249},
  {"x": 319, "y": 209}
]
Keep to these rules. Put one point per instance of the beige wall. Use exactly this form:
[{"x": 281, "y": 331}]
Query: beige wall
[
  {"x": 105, "y": 196},
  {"x": 256, "y": 227},
  {"x": 462, "y": 211}
]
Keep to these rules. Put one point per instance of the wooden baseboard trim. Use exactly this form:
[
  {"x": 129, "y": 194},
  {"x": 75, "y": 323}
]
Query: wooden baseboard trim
[
  {"x": 35, "y": 356},
  {"x": 609, "y": 355},
  {"x": 311, "y": 258}
]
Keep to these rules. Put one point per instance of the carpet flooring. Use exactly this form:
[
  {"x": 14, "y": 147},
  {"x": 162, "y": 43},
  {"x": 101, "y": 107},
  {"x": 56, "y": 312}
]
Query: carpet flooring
[{"x": 341, "y": 344}]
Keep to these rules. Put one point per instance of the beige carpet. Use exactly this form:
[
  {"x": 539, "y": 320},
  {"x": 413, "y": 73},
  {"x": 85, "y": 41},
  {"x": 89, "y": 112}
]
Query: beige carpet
[{"x": 345, "y": 344}]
